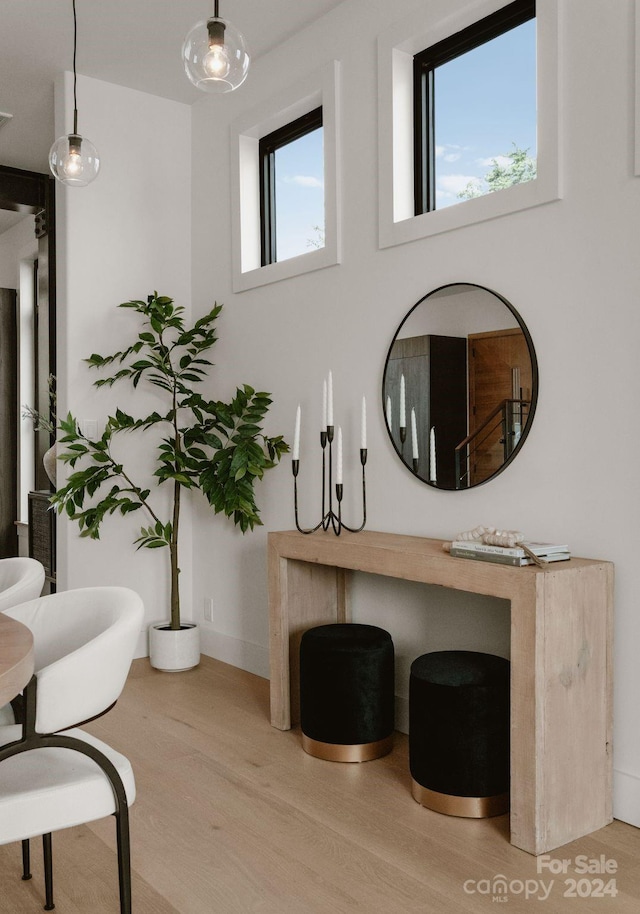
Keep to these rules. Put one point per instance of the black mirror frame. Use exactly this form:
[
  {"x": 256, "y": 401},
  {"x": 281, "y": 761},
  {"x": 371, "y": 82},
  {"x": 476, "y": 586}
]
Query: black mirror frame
[{"x": 534, "y": 384}]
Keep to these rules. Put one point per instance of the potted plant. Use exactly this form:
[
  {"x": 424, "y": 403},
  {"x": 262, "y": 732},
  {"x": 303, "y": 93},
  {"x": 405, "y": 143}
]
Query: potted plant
[{"x": 215, "y": 447}]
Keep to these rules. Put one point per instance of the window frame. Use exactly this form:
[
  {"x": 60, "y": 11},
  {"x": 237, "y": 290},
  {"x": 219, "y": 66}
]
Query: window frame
[
  {"x": 424, "y": 65},
  {"x": 319, "y": 88},
  {"x": 636, "y": 170},
  {"x": 397, "y": 46},
  {"x": 267, "y": 147}
]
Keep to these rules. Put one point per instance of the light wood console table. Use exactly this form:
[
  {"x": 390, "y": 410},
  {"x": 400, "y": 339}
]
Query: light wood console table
[{"x": 561, "y": 677}]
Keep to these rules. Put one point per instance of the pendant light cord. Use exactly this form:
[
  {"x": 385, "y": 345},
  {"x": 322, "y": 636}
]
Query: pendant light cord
[{"x": 75, "y": 43}]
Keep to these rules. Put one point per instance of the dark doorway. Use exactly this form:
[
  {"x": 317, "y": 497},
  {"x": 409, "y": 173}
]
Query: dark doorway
[
  {"x": 29, "y": 193},
  {"x": 8, "y": 422}
]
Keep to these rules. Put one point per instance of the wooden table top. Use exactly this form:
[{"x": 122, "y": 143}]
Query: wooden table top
[{"x": 16, "y": 658}]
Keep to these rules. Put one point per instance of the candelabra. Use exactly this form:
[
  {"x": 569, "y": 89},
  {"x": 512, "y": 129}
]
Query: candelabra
[{"x": 329, "y": 516}]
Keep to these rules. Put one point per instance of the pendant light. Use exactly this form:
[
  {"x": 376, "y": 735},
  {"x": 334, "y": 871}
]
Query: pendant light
[
  {"x": 215, "y": 55},
  {"x": 73, "y": 159}
]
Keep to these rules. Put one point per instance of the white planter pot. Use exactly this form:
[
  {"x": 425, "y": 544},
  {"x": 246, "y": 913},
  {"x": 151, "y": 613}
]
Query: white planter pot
[{"x": 174, "y": 651}]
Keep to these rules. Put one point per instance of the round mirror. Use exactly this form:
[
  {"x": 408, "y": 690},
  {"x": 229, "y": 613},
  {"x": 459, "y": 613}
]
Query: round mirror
[{"x": 460, "y": 386}]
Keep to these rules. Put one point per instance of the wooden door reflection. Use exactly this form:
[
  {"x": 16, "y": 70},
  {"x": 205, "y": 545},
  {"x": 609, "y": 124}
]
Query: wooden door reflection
[{"x": 499, "y": 372}]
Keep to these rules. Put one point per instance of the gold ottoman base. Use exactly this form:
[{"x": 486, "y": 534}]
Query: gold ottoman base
[
  {"x": 468, "y": 807},
  {"x": 333, "y": 752}
]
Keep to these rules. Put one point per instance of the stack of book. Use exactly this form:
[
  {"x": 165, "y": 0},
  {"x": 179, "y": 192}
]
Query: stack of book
[{"x": 524, "y": 554}]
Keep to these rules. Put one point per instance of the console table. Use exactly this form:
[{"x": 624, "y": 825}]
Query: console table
[{"x": 561, "y": 677}]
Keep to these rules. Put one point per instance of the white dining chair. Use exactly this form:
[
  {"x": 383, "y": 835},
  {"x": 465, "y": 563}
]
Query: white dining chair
[
  {"x": 21, "y": 579},
  {"x": 54, "y": 775}
]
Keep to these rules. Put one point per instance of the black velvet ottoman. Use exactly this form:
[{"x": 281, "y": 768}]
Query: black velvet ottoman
[
  {"x": 459, "y": 733},
  {"x": 347, "y": 692}
]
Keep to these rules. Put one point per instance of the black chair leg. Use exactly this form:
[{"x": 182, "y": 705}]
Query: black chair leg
[
  {"x": 124, "y": 859},
  {"x": 26, "y": 859},
  {"x": 48, "y": 872}
]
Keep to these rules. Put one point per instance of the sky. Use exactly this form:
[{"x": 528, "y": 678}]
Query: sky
[
  {"x": 485, "y": 103},
  {"x": 300, "y": 196}
]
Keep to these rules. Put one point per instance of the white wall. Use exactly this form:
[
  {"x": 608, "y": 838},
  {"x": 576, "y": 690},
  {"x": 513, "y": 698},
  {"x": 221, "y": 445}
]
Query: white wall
[
  {"x": 122, "y": 237},
  {"x": 460, "y": 314},
  {"x": 570, "y": 268}
]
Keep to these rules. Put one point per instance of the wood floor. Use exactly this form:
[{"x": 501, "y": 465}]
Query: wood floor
[{"x": 233, "y": 818}]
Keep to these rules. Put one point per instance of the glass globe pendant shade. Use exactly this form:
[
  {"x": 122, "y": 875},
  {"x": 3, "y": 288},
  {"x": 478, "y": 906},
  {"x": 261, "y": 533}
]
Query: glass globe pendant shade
[
  {"x": 74, "y": 160},
  {"x": 215, "y": 56}
]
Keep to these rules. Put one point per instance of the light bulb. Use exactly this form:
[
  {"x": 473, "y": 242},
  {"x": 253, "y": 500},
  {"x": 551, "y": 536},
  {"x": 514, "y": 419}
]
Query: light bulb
[
  {"x": 215, "y": 57},
  {"x": 72, "y": 163},
  {"x": 74, "y": 160},
  {"x": 216, "y": 62}
]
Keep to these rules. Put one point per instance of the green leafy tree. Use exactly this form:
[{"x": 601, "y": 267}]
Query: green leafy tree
[
  {"x": 318, "y": 241},
  {"x": 521, "y": 168},
  {"x": 215, "y": 447}
]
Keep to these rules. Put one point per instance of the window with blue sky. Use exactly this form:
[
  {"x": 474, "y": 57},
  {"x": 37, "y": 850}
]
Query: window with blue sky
[
  {"x": 292, "y": 189},
  {"x": 485, "y": 109},
  {"x": 299, "y": 196},
  {"x": 475, "y": 127}
]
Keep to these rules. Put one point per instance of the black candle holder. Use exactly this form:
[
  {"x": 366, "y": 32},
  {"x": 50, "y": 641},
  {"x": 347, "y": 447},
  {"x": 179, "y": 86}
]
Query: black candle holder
[{"x": 330, "y": 518}]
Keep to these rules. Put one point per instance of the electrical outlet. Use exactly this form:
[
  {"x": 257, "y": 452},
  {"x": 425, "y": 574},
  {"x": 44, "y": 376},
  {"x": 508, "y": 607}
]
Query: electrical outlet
[
  {"x": 89, "y": 428},
  {"x": 208, "y": 609}
]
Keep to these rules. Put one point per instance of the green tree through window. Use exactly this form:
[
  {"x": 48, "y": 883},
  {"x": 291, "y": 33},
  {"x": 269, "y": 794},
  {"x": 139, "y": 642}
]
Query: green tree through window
[
  {"x": 516, "y": 167},
  {"x": 474, "y": 93}
]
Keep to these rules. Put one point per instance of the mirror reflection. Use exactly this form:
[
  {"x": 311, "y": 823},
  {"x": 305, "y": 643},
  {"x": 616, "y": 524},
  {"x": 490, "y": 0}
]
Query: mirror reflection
[{"x": 460, "y": 386}]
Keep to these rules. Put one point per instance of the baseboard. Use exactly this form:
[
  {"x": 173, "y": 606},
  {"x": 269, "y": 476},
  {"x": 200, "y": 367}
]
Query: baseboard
[
  {"x": 626, "y": 797},
  {"x": 254, "y": 658},
  {"x": 243, "y": 654},
  {"x": 142, "y": 645}
]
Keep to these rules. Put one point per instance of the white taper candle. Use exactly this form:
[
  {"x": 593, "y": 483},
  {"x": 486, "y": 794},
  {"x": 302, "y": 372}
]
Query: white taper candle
[
  {"x": 330, "y": 399},
  {"x": 363, "y": 425},
  {"x": 339, "y": 458},
  {"x": 324, "y": 405},
  {"x": 296, "y": 436},
  {"x": 403, "y": 411},
  {"x": 389, "y": 413},
  {"x": 414, "y": 435},
  {"x": 432, "y": 455}
]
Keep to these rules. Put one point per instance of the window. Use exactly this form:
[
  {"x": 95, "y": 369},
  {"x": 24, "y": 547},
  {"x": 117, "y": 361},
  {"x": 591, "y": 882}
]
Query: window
[
  {"x": 292, "y": 189},
  {"x": 429, "y": 26},
  {"x": 475, "y": 109},
  {"x": 306, "y": 182}
]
